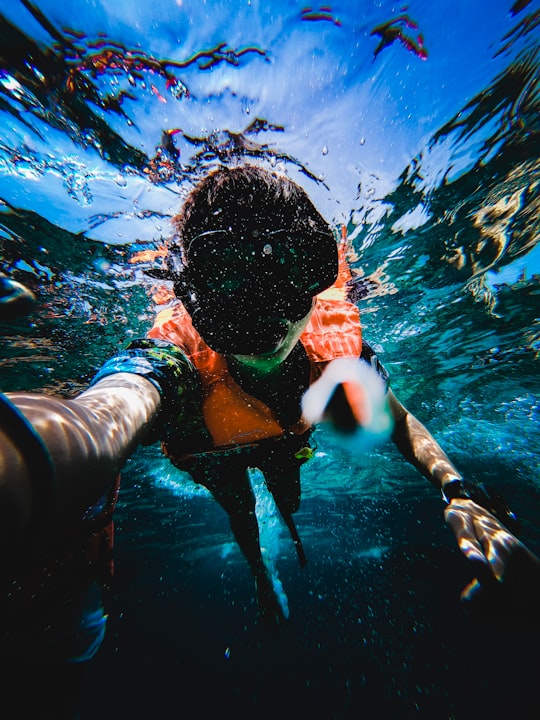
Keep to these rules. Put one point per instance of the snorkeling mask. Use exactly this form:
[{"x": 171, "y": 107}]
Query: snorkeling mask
[{"x": 243, "y": 293}]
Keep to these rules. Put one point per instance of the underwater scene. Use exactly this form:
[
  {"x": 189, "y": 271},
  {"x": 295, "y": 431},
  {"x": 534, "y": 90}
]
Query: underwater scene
[{"x": 415, "y": 129}]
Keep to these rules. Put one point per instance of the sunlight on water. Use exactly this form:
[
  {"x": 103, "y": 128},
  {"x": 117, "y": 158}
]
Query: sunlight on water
[
  {"x": 413, "y": 127},
  {"x": 269, "y": 527},
  {"x": 175, "y": 481}
]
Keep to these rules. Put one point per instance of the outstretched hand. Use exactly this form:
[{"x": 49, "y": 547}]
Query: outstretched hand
[
  {"x": 507, "y": 573},
  {"x": 350, "y": 398}
]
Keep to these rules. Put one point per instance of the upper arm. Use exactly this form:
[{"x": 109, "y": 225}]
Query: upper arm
[{"x": 399, "y": 411}]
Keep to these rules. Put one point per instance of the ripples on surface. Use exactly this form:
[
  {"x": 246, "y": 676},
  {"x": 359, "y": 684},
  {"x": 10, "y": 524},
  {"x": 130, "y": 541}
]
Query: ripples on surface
[{"x": 418, "y": 130}]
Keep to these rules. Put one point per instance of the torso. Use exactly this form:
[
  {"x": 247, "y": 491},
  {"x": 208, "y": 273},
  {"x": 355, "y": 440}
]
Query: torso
[{"x": 239, "y": 409}]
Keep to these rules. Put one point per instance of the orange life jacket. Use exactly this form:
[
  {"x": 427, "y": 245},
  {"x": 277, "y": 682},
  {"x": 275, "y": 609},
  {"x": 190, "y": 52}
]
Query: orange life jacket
[{"x": 232, "y": 416}]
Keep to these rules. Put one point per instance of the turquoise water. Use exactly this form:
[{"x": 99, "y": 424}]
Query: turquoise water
[{"x": 426, "y": 148}]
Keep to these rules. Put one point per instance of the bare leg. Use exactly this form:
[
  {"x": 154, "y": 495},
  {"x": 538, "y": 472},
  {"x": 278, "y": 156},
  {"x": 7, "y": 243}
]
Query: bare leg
[
  {"x": 285, "y": 489},
  {"x": 231, "y": 487}
]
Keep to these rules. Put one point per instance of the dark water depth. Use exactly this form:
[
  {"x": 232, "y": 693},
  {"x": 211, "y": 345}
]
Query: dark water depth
[{"x": 417, "y": 129}]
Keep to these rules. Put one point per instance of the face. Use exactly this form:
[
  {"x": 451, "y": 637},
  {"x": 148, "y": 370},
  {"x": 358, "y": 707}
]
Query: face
[{"x": 250, "y": 296}]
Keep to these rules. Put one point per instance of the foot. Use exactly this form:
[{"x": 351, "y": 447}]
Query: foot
[{"x": 270, "y": 610}]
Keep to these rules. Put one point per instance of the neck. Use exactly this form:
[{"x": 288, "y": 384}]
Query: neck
[
  {"x": 273, "y": 365},
  {"x": 261, "y": 368}
]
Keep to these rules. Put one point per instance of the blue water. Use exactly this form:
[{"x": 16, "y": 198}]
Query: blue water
[{"x": 427, "y": 150}]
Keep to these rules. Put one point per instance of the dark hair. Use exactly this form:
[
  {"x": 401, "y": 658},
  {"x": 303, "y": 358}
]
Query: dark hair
[
  {"x": 243, "y": 198},
  {"x": 263, "y": 252}
]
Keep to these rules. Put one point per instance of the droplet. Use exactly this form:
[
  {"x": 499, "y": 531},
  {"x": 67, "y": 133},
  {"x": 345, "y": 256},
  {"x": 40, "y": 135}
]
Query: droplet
[{"x": 102, "y": 265}]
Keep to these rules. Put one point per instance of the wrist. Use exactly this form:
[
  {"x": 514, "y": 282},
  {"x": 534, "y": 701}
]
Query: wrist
[
  {"x": 484, "y": 496},
  {"x": 166, "y": 367},
  {"x": 453, "y": 488}
]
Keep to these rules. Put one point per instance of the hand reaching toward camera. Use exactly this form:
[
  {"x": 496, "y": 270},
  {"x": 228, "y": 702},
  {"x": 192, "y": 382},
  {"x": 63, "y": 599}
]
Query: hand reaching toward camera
[{"x": 506, "y": 572}]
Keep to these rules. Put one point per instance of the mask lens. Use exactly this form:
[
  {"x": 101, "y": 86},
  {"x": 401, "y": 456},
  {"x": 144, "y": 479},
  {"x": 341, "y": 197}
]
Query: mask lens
[
  {"x": 240, "y": 292},
  {"x": 278, "y": 261},
  {"x": 253, "y": 308}
]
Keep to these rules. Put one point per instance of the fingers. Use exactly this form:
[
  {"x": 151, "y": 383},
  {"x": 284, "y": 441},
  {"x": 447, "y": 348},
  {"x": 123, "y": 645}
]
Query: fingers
[
  {"x": 479, "y": 537},
  {"x": 472, "y": 595},
  {"x": 472, "y": 539},
  {"x": 506, "y": 572},
  {"x": 461, "y": 521}
]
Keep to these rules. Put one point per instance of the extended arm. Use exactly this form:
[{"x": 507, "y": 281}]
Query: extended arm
[
  {"x": 505, "y": 571},
  {"x": 88, "y": 439},
  {"x": 82, "y": 443},
  {"x": 419, "y": 447}
]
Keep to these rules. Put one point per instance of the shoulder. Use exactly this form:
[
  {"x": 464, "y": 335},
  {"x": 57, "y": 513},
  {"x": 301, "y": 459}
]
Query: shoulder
[
  {"x": 174, "y": 325},
  {"x": 333, "y": 330}
]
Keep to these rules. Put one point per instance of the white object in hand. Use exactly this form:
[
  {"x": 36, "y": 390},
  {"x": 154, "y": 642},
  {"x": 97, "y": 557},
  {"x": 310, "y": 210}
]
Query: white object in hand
[{"x": 350, "y": 398}]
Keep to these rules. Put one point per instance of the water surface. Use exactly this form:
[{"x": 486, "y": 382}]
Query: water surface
[{"x": 414, "y": 126}]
